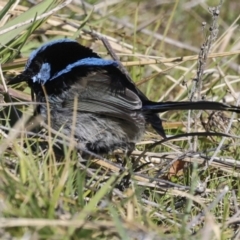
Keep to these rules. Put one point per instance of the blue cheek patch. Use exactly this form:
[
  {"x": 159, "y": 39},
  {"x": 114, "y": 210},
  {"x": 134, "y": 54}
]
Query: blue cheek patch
[{"x": 44, "y": 74}]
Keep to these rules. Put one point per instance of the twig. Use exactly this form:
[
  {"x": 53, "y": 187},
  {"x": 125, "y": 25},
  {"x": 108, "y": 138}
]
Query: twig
[{"x": 202, "y": 60}]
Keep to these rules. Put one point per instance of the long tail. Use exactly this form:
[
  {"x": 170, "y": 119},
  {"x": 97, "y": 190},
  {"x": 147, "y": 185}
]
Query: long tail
[{"x": 155, "y": 107}]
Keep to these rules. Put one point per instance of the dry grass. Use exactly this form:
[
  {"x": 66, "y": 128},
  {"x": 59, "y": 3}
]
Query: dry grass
[{"x": 189, "y": 188}]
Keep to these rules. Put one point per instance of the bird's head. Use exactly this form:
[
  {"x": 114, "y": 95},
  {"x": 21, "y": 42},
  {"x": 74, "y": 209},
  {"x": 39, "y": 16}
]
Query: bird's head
[{"x": 55, "y": 64}]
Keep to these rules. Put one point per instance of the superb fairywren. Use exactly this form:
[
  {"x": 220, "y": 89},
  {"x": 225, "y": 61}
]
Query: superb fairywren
[{"x": 111, "y": 112}]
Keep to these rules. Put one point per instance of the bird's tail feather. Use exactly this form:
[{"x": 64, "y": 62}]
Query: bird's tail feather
[{"x": 155, "y": 107}]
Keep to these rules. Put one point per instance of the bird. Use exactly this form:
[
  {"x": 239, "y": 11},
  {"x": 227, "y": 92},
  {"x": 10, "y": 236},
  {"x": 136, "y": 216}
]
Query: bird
[{"x": 110, "y": 111}]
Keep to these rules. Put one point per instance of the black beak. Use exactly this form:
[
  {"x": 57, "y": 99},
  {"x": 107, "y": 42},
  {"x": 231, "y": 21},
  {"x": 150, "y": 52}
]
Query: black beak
[{"x": 23, "y": 77}]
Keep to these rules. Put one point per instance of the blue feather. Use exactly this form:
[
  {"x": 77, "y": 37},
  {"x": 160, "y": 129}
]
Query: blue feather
[
  {"x": 44, "y": 74},
  {"x": 96, "y": 62}
]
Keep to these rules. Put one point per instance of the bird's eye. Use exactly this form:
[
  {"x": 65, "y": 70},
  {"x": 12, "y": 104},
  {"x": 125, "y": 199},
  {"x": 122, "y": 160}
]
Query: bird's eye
[{"x": 35, "y": 66}]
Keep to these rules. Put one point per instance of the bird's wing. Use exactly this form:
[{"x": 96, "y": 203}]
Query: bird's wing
[{"x": 99, "y": 94}]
